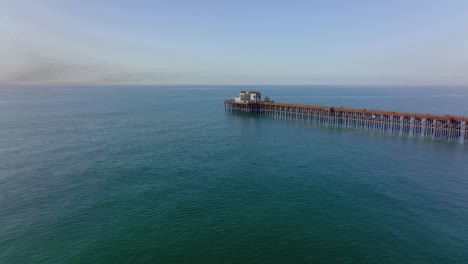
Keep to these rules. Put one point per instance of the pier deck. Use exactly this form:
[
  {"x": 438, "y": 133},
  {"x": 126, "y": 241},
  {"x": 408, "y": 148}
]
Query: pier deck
[{"x": 454, "y": 128}]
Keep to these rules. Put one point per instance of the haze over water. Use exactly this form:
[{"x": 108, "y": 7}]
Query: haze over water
[{"x": 160, "y": 174}]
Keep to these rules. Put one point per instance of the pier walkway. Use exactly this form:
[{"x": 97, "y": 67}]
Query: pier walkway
[{"x": 454, "y": 128}]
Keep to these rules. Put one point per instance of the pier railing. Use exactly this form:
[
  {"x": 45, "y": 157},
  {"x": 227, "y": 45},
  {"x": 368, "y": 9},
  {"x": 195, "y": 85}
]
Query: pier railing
[{"x": 449, "y": 127}]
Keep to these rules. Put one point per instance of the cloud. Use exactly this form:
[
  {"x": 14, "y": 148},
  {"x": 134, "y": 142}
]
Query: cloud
[
  {"x": 31, "y": 67},
  {"x": 34, "y": 68},
  {"x": 134, "y": 77}
]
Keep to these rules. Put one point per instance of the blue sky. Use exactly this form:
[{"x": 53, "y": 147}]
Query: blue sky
[{"x": 420, "y": 42}]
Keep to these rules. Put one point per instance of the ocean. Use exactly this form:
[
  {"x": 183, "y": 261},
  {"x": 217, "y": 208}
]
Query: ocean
[{"x": 161, "y": 174}]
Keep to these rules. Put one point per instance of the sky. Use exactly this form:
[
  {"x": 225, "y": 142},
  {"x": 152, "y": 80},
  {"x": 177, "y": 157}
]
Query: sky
[{"x": 414, "y": 42}]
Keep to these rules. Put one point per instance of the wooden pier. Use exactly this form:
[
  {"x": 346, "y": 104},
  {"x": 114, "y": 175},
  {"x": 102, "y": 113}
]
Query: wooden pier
[{"x": 453, "y": 128}]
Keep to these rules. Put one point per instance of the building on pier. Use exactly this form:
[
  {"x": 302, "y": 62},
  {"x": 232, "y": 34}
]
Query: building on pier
[{"x": 248, "y": 97}]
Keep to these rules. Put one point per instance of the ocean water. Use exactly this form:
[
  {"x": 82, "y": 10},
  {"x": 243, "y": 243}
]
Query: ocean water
[{"x": 160, "y": 174}]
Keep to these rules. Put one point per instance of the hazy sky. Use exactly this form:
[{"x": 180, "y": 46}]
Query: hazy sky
[{"x": 235, "y": 41}]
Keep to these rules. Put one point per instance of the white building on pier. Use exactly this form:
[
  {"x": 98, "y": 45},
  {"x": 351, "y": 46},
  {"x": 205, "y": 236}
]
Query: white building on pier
[{"x": 248, "y": 97}]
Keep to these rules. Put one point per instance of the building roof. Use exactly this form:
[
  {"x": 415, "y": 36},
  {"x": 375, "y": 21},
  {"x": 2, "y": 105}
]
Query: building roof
[{"x": 255, "y": 92}]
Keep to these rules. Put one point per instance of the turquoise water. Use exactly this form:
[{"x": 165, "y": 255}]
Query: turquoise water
[{"x": 122, "y": 174}]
